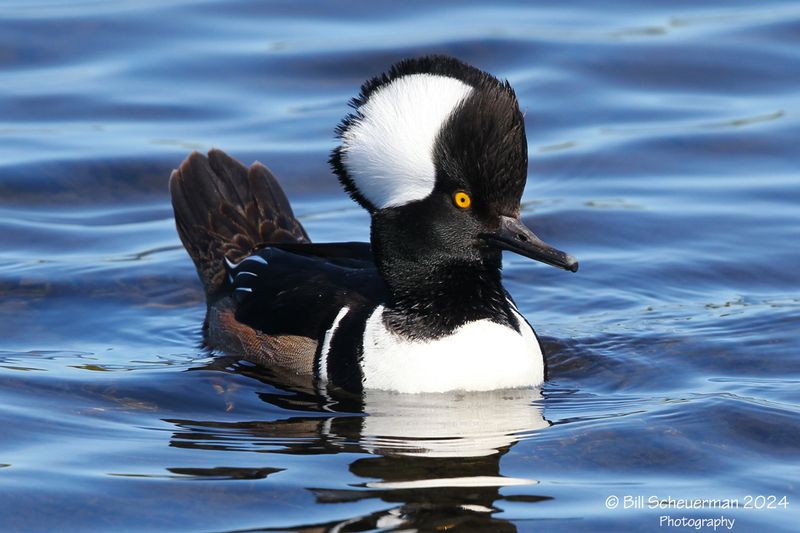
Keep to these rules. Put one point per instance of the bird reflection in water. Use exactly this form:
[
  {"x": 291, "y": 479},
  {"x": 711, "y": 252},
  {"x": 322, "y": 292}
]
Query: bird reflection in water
[{"x": 436, "y": 456}]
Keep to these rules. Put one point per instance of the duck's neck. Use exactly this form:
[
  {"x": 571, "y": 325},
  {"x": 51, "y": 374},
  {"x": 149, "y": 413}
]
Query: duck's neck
[{"x": 430, "y": 300}]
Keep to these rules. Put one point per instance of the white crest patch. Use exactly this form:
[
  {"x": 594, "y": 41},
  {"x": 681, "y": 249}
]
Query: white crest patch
[
  {"x": 389, "y": 152},
  {"x": 478, "y": 356}
]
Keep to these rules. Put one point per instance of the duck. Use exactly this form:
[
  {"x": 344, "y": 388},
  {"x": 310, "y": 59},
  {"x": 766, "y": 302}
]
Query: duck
[{"x": 435, "y": 150}]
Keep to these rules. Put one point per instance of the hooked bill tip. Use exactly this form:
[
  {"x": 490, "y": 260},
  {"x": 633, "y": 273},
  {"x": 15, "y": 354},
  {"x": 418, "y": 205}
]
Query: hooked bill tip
[{"x": 573, "y": 264}]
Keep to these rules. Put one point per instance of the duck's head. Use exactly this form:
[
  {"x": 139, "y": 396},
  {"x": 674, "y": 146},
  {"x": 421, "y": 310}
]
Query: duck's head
[{"x": 436, "y": 151}]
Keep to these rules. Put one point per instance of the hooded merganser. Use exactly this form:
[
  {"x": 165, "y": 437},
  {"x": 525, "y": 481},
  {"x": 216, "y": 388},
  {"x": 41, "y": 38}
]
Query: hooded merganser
[{"x": 436, "y": 151}]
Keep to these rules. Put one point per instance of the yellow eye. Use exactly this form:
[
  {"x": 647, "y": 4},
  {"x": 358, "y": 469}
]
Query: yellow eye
[{"x": 462, "y": 199}]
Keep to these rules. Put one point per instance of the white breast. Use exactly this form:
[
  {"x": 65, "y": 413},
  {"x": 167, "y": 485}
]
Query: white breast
[{"x": 478, "y": 356}]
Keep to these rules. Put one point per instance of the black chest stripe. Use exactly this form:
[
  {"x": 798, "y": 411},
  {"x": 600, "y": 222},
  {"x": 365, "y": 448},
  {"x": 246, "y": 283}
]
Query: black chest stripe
[{"x": 346, "y": 351}]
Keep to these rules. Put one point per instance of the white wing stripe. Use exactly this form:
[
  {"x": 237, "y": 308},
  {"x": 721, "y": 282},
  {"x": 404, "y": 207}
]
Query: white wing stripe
[{"x": 256, "y": 258}]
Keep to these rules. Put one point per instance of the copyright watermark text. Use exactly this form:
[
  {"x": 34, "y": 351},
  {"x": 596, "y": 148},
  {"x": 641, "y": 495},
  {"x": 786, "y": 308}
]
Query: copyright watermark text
[
  {"x": 760, "y": 503},
  {"x": 696, "y": 523},
  {"x": 756, "y": 503}
]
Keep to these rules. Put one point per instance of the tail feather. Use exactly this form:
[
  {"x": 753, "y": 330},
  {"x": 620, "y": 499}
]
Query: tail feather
[{"x": 224, "y": 210}]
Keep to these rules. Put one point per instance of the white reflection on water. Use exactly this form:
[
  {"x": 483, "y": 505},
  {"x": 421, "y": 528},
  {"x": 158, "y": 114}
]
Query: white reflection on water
[{"x": 456, "y": 424}]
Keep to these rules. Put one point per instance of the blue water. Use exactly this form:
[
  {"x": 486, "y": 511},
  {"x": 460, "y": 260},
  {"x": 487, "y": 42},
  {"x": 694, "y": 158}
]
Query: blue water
[{"x": 663, "y": 142}]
